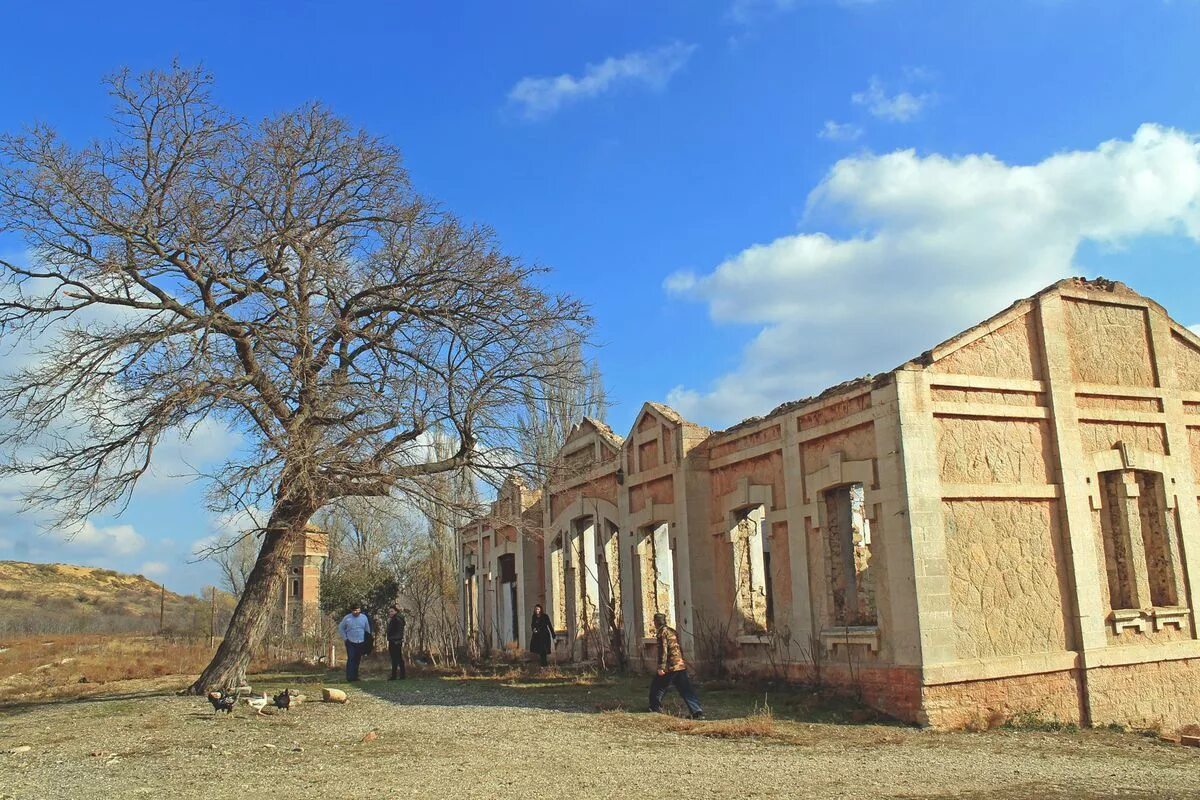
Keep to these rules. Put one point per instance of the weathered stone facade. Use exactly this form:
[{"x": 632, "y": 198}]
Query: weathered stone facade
[{"x": 1008, "y": 524}]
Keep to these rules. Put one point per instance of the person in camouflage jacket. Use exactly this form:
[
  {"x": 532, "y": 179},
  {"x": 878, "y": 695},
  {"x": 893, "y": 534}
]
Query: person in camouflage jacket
[{"x": 672, "y": 670}]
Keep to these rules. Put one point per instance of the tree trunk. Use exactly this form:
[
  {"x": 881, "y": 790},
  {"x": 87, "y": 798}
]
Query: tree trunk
[{"x": 259, "y": 598}]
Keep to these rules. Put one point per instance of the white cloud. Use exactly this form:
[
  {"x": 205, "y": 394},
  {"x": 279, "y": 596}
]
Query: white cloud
[
  {"x": 539, "y": 97},
  {"x": 152, "y": 569},
  {"x": 840, "y": 131},
  {"x": 899, "y": 107},
  {"x": 179, "y": 460},
  {"x": 940, "y": 244},
  {"x": 112, "y": 540},
  {"x": 227, "y": 527}
]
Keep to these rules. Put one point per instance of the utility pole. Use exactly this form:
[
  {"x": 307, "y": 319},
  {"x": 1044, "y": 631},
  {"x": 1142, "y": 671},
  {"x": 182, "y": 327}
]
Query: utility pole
[
  {"x": 212, "y": 620},
  {"x": 162, "y": 605}
]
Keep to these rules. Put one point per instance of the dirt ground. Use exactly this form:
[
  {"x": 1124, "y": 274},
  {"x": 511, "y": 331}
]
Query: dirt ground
[{"x": 519, "y": 737}]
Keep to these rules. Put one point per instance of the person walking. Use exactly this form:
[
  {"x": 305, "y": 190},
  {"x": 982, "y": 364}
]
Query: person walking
[
  {"x": 395, "y": 639},
  {"x": 672, "y": 670},
  {"x": 354, "y": 630},
  {"x": 543, "y": 635}
]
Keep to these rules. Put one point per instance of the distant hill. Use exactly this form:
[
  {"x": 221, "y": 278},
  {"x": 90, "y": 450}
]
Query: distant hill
[{"x": 63, "y": 598}]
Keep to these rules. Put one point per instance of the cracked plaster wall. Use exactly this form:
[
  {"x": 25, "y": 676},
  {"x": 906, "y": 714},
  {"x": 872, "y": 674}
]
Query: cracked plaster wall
[
  {"x": 1004, "y": 562},
  {"x": 1110, "y": 344},
  {"x": 1097, "y": 436},
  {"x": 957, "y": 394},
  {"x": 981, "y": 450},
  {"x": 1012, "y": 351}
]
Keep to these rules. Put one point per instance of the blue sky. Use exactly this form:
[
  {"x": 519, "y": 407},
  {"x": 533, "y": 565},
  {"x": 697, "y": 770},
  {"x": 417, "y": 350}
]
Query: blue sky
[{"x": 758, "y": 198}]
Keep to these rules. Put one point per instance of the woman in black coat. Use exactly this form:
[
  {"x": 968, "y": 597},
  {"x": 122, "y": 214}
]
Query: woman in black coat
[{"x": 543, "y": 634}]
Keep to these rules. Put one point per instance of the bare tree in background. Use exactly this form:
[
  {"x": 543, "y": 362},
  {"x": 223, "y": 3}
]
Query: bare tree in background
[
  {"x": 430, "y": 572},
  {"x": 448, "y": 501},
  {"x": 359, "y": 528},
  {"x": 556, "y": 403},
  {"x": 412, "y": 539},
  {"x": 235, "y": 557},
  {"x": 282, "y": 279}
]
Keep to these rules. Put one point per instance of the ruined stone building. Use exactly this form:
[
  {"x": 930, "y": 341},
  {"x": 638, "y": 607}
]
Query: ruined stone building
[
  {"x": 1008, "y": 524},
  {"x": 502, "y": 569}
]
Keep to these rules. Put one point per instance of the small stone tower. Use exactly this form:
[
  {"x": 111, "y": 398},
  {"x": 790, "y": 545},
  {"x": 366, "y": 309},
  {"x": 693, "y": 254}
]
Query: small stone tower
[{"x": 302, "y": 589}]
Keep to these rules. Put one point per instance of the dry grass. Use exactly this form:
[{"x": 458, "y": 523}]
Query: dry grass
[
  {"x": 610, "y": 705},
  {"x": 752, "y": 727},
  {"x": 760, "y": 724},
  {"x": 57, "y": 667},
  {"x": 522, "y": 675},
  {"x": 40, "y": 599}
]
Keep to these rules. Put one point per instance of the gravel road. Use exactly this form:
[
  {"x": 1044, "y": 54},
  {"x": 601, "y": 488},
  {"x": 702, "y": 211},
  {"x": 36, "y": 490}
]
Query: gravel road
[{"x": 439, "y": 738}]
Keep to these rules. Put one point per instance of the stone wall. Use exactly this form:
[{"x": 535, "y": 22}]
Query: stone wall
[
  {"x": 764, "y": 470},
  {"x": 1151, "y": 695},
  {"x": 1050, "y": 696},
  {"x": 661, "y": 490},
  {"x": 1011, "y": 351},
  {"x": 1110, "y": 343},
  {"x": 1154, "y": 695},
  {"x": 983, "y": 450},
  {"x": 854, "y": 444},
  {"x": 1005, "y": 585}
]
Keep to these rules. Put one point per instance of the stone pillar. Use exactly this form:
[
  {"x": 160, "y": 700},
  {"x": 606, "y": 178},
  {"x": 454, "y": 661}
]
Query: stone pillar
[
  {"x": 801, "y": 622},
  {"x": 590, "y": 576},
  {"x": 691, "y": 518},
  {"x": 1071, "y": 472},
  {"x": 923, "y": 504},
  {"x": 630, "y": 573},
  {"x": 523, "y": 612}
]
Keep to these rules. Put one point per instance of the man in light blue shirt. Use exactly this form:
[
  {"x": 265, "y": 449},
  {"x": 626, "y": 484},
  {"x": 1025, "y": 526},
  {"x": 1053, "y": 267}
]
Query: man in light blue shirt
[{"x": 354, "y": 629}]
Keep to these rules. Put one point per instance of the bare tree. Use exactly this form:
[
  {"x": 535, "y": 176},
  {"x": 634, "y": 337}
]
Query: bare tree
[
  {"x": 558, "y": 401},
  {"x": 235, "y": 556},
  {"x": 359, "y": 528},
  {"x": 448, "y": 501},
  {"x": 412, "y": 543},
  {"x": 280, "y": 278}
]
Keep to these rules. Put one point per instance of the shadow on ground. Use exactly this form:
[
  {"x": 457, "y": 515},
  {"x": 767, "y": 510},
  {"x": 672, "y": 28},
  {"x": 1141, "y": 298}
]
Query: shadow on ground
[
  {"x": 576, "y": 691},
  {"x": 587, "y": 692},
  {"x": 23, "y": 706}
]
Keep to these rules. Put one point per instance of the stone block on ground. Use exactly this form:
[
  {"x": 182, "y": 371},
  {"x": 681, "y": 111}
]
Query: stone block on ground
[{"x": 334, "y": 696}]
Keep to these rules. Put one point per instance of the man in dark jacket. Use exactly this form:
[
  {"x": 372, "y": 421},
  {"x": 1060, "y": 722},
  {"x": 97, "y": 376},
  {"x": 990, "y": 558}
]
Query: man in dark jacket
[
  {"x": 395, "y": 640},
  {"x": 672, "y": 669}
]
